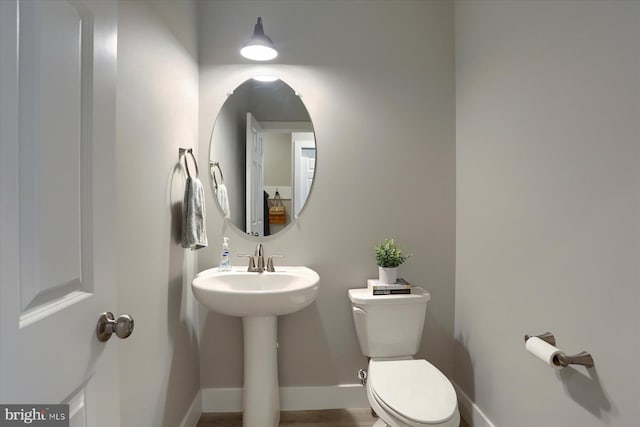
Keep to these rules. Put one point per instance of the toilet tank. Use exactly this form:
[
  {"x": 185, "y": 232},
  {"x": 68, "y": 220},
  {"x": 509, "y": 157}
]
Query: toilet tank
[{"x": 389, "y": 325}]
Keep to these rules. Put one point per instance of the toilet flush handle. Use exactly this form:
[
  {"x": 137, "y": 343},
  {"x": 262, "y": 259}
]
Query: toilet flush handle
[
  {"x": 358, "y": 319},
  {"x": 357, "y": 311}
]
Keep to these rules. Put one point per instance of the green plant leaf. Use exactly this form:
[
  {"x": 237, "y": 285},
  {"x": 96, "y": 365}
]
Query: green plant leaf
[{"x": 389, "y": 254}]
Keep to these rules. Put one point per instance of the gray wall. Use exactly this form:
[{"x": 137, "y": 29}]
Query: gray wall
[
  {"x": 548, "y": 208},
  {"x": 157, "y": 111},
  {"x": 378, "y": 81},
  {"x": 277, "y": 159}
]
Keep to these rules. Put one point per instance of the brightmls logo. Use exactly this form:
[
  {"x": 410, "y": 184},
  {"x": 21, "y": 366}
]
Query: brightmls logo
[{"x": 34, "y": 415}]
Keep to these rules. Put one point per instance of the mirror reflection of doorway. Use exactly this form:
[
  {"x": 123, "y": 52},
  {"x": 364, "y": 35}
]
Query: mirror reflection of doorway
[{"x": 280, "y": 157}]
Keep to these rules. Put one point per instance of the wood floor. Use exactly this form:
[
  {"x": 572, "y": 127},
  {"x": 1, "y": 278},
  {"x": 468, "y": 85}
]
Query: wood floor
[{"x": 325, "y": 418}]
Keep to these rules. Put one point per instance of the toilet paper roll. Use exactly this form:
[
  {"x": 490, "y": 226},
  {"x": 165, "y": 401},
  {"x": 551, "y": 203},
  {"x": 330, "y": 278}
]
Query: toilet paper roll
[{"x": 543, "y": 351}]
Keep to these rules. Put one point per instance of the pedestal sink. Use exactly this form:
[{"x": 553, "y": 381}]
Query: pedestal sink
[{"x": 258, "y": 298}]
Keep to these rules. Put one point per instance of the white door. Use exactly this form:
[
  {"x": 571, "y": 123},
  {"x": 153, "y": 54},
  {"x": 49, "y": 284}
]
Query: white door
[
  {"x": 57, "y": 185},
  {"x": 255, "y": 177},
  {"x": 304, "y": 159}
]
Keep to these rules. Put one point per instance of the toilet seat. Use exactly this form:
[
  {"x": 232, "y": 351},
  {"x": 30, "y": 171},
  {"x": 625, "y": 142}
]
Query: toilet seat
[{"x": 414, "y": 391}]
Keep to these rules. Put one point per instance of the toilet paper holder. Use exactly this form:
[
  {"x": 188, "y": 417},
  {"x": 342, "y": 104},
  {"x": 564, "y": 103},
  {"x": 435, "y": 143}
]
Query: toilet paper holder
[{"x": 561, "y": 359}]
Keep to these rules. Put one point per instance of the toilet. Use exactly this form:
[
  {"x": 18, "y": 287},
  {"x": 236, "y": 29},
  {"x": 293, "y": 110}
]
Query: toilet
[{"x": 403, "y": 391}]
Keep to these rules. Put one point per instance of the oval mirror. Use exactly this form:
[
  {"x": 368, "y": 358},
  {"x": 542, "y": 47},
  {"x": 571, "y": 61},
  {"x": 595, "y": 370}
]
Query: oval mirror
[{"x": 262, "y": 157}]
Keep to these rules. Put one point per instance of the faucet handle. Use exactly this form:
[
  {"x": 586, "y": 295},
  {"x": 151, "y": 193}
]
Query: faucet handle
[
  {"x": 252, "y": 263},
  {"x": 270, "y": 267}
]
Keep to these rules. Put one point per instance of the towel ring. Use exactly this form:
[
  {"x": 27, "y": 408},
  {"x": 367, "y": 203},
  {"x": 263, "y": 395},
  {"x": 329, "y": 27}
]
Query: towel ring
[
  {"x": 213, "y": 165},
  {"x": 183, "y": 152}
]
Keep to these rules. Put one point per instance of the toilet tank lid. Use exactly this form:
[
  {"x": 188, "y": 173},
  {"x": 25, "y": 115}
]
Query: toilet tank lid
[{"x": 364, "y": 296}]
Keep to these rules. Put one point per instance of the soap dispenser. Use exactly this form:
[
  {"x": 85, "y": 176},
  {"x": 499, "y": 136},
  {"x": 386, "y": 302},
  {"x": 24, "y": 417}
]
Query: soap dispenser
[{"x": 225, "y": 258}]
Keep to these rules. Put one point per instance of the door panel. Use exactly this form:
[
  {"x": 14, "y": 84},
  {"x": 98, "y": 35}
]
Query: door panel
[
  {"x": 57, "y": 192},
  {"x": 78, "y": 409},
  {"x": 255, "y": 177},
  {"x": 304, "y": 167},
  {"x": 55, "y": 56}
]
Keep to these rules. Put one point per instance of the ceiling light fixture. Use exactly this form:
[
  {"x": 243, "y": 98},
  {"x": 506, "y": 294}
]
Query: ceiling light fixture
[
  {"x": 259, "y": 47},
  {"x": 265, "y": 78}
]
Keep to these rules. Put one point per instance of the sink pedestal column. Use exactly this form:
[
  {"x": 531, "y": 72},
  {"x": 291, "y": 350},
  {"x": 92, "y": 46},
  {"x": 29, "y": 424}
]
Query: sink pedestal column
[{"x": 261, "y": 394}]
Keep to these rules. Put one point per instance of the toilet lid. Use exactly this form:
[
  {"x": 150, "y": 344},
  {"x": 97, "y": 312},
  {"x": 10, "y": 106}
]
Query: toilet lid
[{"x": 415, "y": 389}]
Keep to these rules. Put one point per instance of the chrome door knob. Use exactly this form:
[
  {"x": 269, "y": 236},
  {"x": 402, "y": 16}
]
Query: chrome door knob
[{"x": 108, "y": 325}]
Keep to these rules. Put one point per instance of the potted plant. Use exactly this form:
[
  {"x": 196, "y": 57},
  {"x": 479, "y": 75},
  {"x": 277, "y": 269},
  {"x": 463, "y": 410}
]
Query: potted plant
[{"x": 389, "y": 257}]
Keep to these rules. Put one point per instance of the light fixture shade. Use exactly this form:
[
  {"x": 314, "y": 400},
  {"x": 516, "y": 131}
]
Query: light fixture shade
[
  {"x": 265, "y": 78},
  {"x": 259, "y": 47}
]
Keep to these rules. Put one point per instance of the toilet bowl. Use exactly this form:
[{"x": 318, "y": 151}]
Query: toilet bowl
[
  {"x": 411, "y": 393},
  {"x": 403, "y": 391}
]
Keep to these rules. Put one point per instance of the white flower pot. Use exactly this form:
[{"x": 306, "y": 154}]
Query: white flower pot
[{"x": 387, "y": 276}]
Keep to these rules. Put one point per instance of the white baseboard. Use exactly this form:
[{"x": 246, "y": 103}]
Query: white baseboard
[
  {"x": 291, "y": 398},
  {"x": 470, "y": 411},
  {"x": 192, "y": 416}
]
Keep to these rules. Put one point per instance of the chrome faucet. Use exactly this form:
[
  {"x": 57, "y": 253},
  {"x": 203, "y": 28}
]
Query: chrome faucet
[{"x": 259, "y": 255}]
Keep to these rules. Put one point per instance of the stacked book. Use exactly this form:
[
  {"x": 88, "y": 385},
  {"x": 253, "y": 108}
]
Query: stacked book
[{"x": 400, "y": 287}]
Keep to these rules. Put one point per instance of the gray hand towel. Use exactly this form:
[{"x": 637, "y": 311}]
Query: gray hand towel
[{"x": 194, "y": 233}]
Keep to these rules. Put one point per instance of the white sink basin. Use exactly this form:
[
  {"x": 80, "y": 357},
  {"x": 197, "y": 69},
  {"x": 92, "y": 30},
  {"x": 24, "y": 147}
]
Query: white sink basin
[{"x": 240, "y": 293}]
